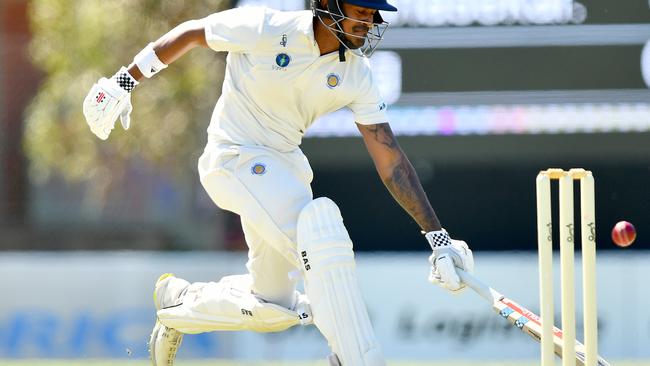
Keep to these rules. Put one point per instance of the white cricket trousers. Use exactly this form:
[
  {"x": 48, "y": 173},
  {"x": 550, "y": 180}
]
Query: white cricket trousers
[{"x": 268, "y": 189}]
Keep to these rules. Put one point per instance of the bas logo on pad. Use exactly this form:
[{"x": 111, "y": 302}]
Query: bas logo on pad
[{"x": 305, "y": 261}]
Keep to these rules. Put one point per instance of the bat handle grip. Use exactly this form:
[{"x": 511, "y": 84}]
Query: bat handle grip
[{"x": 478, "y": 286}]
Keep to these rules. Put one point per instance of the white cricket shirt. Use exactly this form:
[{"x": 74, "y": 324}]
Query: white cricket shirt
[{"x": 276, "y": 81}]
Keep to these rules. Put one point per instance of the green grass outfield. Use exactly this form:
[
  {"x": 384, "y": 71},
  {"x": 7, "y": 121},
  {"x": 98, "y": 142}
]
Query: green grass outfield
[{"x": 5, "y": 362}]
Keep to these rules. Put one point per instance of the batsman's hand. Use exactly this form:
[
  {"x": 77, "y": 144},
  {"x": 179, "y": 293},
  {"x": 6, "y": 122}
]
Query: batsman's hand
[
  {"x": 448, "y": 254},
  {"x": 105, "y": 102}
]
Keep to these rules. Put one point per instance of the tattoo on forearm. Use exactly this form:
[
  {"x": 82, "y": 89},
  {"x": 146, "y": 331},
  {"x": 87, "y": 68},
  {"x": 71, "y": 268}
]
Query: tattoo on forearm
[
  {"x": 383, "y": 134},
  {"x": 404, "y": 184},
  {"x": 406, "y": 188}
]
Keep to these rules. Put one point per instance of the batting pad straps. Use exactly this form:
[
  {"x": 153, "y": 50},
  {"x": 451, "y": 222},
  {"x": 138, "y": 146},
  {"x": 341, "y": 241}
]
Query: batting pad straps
[
  {"x": 332, "y": 287},
  {"x": 148, "y": 62},
  {"x": 125, "y": 80}
]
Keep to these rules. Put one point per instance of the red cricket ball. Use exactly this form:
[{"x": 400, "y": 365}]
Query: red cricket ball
[{"x": 623, "y": 234}]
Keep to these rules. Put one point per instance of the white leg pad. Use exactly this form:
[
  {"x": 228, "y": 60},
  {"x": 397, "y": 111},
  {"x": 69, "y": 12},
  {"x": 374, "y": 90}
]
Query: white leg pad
[
  {"x": 332, "y": 287},
  {"x": 230, "y": 305}
]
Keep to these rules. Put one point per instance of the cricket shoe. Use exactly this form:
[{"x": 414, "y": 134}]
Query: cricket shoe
[
  {"x": 169, "y": 291},
  {"x": 163, "y": 344},
  {"x": 164, "y": 341}
]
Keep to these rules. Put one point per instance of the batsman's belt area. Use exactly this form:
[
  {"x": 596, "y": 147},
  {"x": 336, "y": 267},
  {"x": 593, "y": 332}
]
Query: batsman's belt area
[{"x": 181, "y": 362}]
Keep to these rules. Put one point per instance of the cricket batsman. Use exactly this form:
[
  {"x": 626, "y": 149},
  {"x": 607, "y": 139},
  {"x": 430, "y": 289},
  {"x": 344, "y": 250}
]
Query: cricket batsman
[{"x": 284, "y": 70}]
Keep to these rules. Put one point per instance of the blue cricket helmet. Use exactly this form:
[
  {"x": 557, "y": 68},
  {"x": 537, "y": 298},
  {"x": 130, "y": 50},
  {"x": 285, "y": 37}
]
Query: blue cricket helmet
[{"x": 372, "y": 4}]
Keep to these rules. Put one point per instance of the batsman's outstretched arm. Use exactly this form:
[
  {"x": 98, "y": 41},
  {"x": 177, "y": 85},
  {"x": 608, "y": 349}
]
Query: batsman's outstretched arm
[
  {"x": 174, "y": 44},
  {"x": 110, "y": 98},
  {"x": 398, "y": 175},
  {"x": 400, "y": 178}
]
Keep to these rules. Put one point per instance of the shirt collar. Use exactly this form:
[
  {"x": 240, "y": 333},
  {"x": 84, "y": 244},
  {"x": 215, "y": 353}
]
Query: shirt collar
[{"x": 306, "y": 27}]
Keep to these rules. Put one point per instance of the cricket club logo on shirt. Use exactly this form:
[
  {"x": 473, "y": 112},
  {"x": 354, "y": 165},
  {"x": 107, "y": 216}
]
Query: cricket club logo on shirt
[
  {"x": 282, "y": 60},
  {"x": 258, "y": 169},
  {"x": 333, "y": 80}
]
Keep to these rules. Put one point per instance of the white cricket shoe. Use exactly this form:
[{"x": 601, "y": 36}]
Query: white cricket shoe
[
  {"x": 164, "y": 341},
  {"x": 163, "y": 345}
]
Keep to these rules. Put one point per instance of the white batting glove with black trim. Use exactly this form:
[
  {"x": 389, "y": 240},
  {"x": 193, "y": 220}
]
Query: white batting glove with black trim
[
  {"x": 448, "y": 254},
  {"x": 107, "y": 100}
]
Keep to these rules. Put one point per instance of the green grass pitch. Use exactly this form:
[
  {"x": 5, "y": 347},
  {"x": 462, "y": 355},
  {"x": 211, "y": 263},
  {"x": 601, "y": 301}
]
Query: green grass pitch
[{"x": 306, "y": 363}]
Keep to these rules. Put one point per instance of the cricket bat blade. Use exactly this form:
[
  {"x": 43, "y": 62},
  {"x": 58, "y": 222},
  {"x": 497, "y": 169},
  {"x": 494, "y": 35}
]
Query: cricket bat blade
[{"x": 522, "y": 318}]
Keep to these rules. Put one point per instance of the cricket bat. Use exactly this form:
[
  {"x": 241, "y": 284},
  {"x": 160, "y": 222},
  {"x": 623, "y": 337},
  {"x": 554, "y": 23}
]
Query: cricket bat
[{"x": 521, "y": 317}]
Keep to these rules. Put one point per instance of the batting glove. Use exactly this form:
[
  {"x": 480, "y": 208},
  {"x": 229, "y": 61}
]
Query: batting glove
[
  {"x": 107, "y": 100},
  {"x": 448, "y": 254}
]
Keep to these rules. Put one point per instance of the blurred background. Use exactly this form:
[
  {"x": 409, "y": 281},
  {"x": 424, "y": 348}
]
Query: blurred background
[{"x": 483, "y": 93}]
